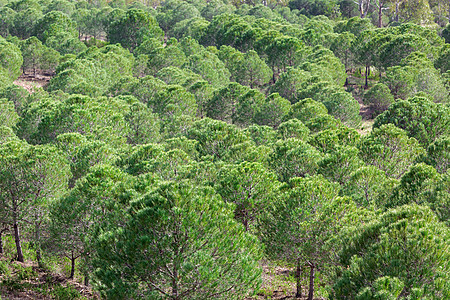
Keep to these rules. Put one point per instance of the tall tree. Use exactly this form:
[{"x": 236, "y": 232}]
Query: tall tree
[
  {"x": 132, "y": 29},
  {"x": 301, "y": 226},
  {"x": 407, "y": 244},
  {"x": 389, "y": 149},
  {"x": 29, "y": 178},
  {"x": 180, "y": 242},
  {"x": 251, "y": 187}
]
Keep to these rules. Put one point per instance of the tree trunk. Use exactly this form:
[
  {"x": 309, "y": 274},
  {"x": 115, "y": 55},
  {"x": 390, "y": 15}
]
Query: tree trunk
[
  {"x": 396, "y": 12},
  {"x": 174, "y": 282},
  {"x": 245, "y": 223},
  {"x": 72, "y": 269},
  {"x": 1, "y": 242},
  {"x": 38, "y": 247},
  {"x": 298, "y": 294},
  {"x": 311, "y": 282},
  {"x": 380, "y": 14},
  {"x": 86, "y": 279},
  {"x": 17, "y": 238},
  {"x": 366, "y": 75}
]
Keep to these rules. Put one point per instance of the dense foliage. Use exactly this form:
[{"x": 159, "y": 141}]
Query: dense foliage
[{"x": 179, "y": 145}]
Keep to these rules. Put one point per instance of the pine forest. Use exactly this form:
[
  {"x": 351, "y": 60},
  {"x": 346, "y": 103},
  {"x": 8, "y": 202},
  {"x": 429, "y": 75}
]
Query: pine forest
[{"x": 225, "y": 149}]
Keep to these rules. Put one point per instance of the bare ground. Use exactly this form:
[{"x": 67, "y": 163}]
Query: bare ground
[
  {"x": 37, "y": 281},
  {"x": 358, "y": 90},
  {"x": 31, "y": 83}
]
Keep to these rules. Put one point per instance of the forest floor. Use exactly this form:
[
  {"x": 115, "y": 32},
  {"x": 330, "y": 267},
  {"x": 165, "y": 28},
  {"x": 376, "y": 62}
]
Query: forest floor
[
  {"x": 27, "y": 281},
  {"x": 356, "y": 87},
  {"x": 279, "y": 283},
  {"x": 30, "y": 82}
]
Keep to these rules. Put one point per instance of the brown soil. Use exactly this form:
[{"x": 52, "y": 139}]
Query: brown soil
[
  {"x": 31, "y": 83},
  {"x": 29, "y": 288},
  {"x": 278, "y": 283},
  {"x": 358, "y": 90}
]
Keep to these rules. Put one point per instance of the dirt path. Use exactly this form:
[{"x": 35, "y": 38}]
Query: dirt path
[{"x": 31, "y": 83}]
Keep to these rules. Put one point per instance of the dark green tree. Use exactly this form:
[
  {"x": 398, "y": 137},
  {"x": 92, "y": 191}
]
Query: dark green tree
[
  {"x": 188, "y": 231},
  {"x": 132, "y": 29}
]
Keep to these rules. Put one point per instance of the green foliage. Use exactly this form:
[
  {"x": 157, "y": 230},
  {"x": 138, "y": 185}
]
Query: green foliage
[
  {"x": 253, "y": 71},
  {"x": 417, "y": 74},
  {"x": 144, "y": 89},
  {"x": 7, "y": 135},
  {"x": 10, "y": 62},
  {"x": 194, "y": 234},
  {"x": 214, "y": 137},
  {"x": 294, "y": 158},
  {"x": 97, "y": 119},
  {"x": 132, "y": 29},
  {"x": 438, "y": 154},
  {"x": 143, "y": 124},
  {"x": 210, "y": 67},
  {"x": 193, "y": 27},
  {"x": 31, "y": 177},
  {"x": 123, "y": 147},
  {"x": 36, "y": 56},
  {"x": 379, "y": 98},
  {"x": 159, "y": 56},
  {"x": 176, "y": 108},
  {"x": 307, "y": 109},
  {"x": 273, "y": 111},
  {"x": 62, "y": 293},
  {"x": 419, "y": 117},
  {"x": 66, "y": 44},
  {"x": 389, "y": 149},
  {"x": 442, "y": 62},
  {"x": 8, "y": 116},
  {"x": 314, "y": 7},
  {"x": 18, "y": 95},
  {"x": 327, "y": 140},
  {"x": 25, "y": 22},
  {"x": 338, "y": 165},
  {"x": 54, "y": 23},
  {"x": 175, "y": 75},
  {"x": 251, "y": 187},
  {"x": 222, "y": 105},
  {"x": 293, "y": 128},
  {"x": 416, "y": 186},
  {"x": 345, "y": 108},
  {"x": 289, "y": 83},
  {"x": 93, "y": 72},
  {"x": 365, "y": 185},
  {"x": 400, "y": 244}
]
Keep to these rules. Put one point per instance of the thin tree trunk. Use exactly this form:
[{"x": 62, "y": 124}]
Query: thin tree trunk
[
  {"x": 17, "y": 239},
  {"x": 245, "y": 223},
  {"x": 38, "y": 247},
  {"x": 86, "y": 279},
  {"x": 1, "y": 242},
  {"x": 298, "y": 294},
  {"x": 72, "y": 269},
  {"x": 311, "y": 282},
  {"x": 175, "y": 278},
  {"x": 380, "y": 14},
  {"x": 367, "y": 74},
  {"x": 396, "y": 12}
]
